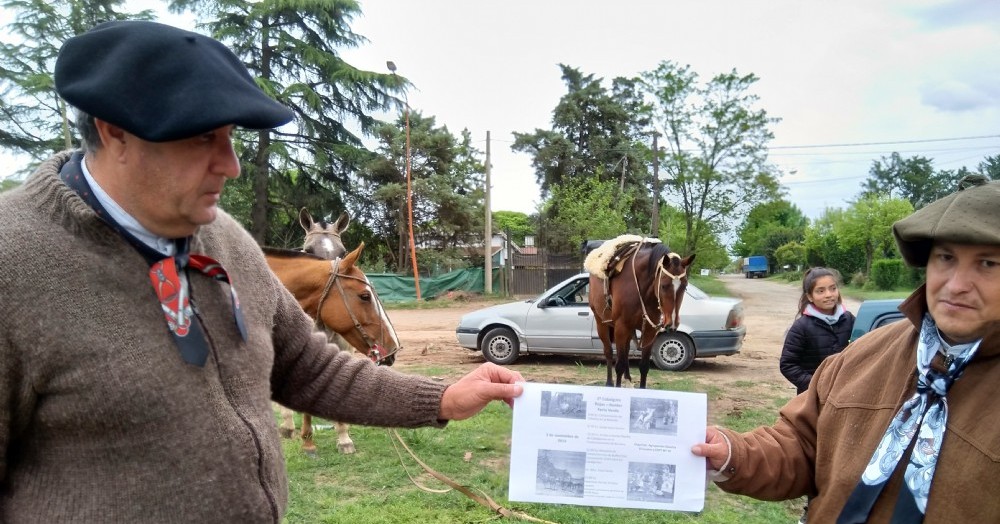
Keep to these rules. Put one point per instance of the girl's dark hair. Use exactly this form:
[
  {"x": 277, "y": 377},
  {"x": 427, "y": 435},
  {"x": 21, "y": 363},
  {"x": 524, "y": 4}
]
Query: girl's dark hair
[{"x": 809, "y": 283}]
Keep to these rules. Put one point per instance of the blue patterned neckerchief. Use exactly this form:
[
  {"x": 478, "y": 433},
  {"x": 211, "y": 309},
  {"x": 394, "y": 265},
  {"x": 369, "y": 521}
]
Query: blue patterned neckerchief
[{"x": 924, "y": 415}]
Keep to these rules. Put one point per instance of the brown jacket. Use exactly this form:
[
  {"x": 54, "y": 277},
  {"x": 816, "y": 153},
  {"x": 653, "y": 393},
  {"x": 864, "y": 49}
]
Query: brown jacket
[
  {"x": 100, "y": 418},
  {"x": 826, "y": 436}
]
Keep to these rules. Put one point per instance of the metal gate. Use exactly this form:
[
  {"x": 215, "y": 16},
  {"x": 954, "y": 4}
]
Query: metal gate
[{"x": 533, "y": 274}]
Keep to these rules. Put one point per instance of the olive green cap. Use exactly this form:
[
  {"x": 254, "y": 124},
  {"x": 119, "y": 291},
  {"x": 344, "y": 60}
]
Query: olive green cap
[{"x": 970, "y": 215}]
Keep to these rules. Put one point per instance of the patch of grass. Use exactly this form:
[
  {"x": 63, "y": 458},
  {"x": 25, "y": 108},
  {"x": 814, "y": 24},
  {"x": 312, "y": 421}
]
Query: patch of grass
[
  {"x": 710, "y": 285},
  {"x": 871, "y": 294},
  {"x": 372, "y": 485},
  {"x": 748, "y": 418}
]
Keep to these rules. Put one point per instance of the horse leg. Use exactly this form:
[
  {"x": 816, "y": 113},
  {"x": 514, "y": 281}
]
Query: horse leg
[
  {"x": 287, "y": 427},
  {"x": 644, "y": 367},
  {"x": 344, "y": 443},
  {"x": 622, "y": 341},
  {"x": 605, "y": 332},
  {"x": 308, "y": 446}
]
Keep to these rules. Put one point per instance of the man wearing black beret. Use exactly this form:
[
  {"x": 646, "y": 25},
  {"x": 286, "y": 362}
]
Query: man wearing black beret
[
  {"x": 900, "y": 426},
  {"x": 134, "y": 385}
]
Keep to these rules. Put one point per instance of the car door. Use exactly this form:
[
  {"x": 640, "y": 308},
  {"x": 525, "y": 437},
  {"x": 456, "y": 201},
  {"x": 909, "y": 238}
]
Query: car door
[{"x": 561, "y": 322}]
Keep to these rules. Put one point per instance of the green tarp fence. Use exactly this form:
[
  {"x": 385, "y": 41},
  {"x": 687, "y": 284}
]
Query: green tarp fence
[{"x": 397, "y": 288}]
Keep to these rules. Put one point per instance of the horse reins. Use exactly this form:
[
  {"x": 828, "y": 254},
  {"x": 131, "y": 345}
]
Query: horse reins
[
  {"x": 660, "y": 272},
  {"x": 374, "y": 354}
]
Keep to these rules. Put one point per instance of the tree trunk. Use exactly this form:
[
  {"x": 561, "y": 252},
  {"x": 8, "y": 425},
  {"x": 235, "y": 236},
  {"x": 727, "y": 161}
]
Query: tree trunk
[{"x": 261, "y": 176}]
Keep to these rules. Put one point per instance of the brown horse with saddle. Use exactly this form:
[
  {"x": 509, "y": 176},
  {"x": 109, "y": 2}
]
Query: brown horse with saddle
[{"x": 636, "y": 285}]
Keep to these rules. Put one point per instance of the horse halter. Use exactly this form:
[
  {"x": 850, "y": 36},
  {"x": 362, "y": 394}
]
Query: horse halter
[
  {"x": 661, "y": 271},
  {"x": 375, "y": 349}
]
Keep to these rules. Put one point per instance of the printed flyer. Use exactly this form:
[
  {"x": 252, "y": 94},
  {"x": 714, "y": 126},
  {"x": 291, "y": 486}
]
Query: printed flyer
[{"x": 600, "y": 446}]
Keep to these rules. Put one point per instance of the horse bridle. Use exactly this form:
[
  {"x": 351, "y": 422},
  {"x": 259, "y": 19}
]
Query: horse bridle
[
  {"x": 375, "y": 349},
  {"x": 660, "y": 272}
]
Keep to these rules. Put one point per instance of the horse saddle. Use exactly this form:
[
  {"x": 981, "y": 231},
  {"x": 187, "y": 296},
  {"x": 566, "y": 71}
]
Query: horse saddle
[
  {"x": 617, "y": 260},
  {"x": 614, "y": 266}
]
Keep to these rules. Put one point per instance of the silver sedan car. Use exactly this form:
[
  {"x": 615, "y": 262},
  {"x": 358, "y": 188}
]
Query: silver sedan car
[{"x": 559, "y": 321}]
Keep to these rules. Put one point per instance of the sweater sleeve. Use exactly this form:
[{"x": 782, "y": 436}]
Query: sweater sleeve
[
  {"x": 6, "y": 401},
  {"x": 791, "y": 363},
  {"x": 316, "y": 377},
  {"x": 16, "y": 400}
]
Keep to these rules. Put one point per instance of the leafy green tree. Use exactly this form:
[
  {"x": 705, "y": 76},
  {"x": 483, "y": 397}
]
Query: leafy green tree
[
  {"x": 791, "y": 254},
  {"x": 757, "y": 235},
  {"x": 711, "y": 252},
  {"x": 716, "y": 141},
  {"x": 595, "y": 133},
  {"x": 7, "y": 184},
  {"x": 990, "y": 166},
  {"x": 824, "y": 248},
  {"x": 37, "y": 122},
  {"x": 913, "y": 179},
  {"x": 582, "y": 209},
  {"x": 447, "y": 185},
  {"x": 516, "y": 224},
  {"x": 292, "y": 49},
  {"x": 867, "y": 224}
]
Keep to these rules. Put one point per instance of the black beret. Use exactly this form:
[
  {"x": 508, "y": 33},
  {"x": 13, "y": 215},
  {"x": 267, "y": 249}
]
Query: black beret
[
  {"x": 161, "y": 83},
  {"x": 969, "y": 216}
]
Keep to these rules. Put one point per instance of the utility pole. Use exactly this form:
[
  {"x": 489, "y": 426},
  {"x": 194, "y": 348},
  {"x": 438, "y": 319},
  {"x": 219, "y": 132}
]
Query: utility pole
[
  {"x": 409, "y": 189},
  {"x": 488, "y": 239},
  {"x": 656, "y": 186}
]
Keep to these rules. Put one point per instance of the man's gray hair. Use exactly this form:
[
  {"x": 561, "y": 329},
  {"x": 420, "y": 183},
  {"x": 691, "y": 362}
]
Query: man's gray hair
[{"x": 90, "y": 140}]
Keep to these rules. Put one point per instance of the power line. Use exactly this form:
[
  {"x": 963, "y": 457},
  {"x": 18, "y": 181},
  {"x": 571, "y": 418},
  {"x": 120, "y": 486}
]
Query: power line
[
  {"x": 879, "y": 152},
  {"x": 818, "y": 146},
  {"x": 895, "y": 142}
]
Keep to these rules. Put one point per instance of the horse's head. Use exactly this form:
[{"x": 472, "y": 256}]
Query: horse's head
[
  {"x": 671, "y": 280},
  {"x": 340, "y": 297},
  {"x": 323, "y": 239},
  {"x": 353, "y": 310}
]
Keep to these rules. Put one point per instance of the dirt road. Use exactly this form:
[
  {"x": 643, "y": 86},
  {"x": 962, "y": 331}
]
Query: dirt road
[{"x": 430, "y": 347}]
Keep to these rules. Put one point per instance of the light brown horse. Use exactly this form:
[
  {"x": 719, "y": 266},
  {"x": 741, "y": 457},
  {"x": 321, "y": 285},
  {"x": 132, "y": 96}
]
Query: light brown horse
[
  {"x": 338, "y": 295},
  {"x": 636, "y": 284}
]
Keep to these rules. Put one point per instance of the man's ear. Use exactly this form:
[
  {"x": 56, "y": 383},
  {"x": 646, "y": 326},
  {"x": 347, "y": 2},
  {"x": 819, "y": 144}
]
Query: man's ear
[{"x": 112, "y": 137}]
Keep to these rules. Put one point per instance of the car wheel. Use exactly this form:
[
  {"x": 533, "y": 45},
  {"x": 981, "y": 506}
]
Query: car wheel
[
  {"x": 673, "y": 351},
  {"x": 500, "y": 346}
]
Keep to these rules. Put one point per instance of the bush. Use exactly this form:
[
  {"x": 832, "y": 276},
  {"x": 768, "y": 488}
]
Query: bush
[
  {"x": 913, "y": 277},
  {"x": 858, "y": 279},
  {"x": 887, "y": 273}
]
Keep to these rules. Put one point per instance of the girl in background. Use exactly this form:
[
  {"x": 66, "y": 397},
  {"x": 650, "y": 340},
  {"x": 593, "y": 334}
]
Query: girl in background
[{"x": 821, "y": 328}]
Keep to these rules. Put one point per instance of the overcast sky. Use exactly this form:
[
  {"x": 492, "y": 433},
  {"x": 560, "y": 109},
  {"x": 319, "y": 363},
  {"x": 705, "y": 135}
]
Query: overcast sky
[{"x": 921, "y": 77}]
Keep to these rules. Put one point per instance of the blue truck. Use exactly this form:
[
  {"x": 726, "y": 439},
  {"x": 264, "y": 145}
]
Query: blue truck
[{"x": 755, "y": 266}]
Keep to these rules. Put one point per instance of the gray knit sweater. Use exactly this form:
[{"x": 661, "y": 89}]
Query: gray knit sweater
[{"x": 100, "y": 418}]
